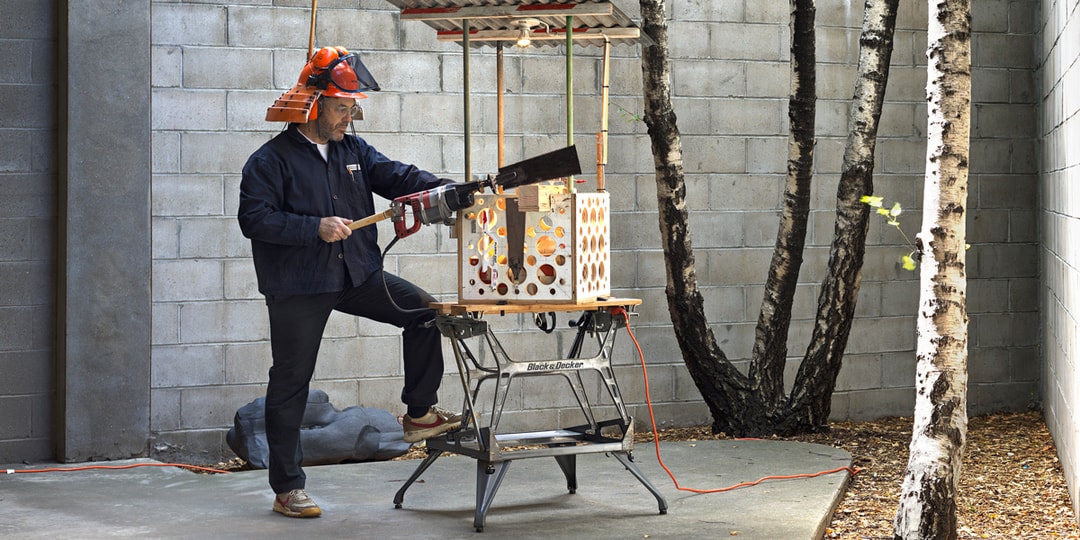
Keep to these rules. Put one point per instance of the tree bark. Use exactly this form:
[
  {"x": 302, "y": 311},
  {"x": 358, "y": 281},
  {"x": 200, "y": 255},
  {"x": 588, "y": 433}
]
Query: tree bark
[
  {"x": 707, "y": 364},
  {"x": 928, "y": 496},
  {"x": 769, "y": 356},
  {"x": 811, "y": 398}
]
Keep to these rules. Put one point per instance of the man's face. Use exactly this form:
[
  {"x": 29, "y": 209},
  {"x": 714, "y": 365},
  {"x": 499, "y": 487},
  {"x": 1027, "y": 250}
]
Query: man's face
[{"x": 335, "y": 115}]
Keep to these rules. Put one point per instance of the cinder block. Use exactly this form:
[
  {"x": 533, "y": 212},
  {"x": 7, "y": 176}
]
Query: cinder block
[
  {"x": 219, "y": 322},
  {"x": 759, "y": 228},
  {"x": 708, "y": 78},
  {"x": 837, "y": 45},
  {"x": 359, "y": 358},
  {"x": 164, "y": 409},
  {"x": 906, "y": 84},
  {"x": 245, "y": 110},
  {"x": 188, "y": 109},
  {"x": 767, "y": 79},
  {"x": 838, "y": 13},
  {"x": 998, "y": 120},
  {"x": 719, "y": 10},
  {"x": 748, "y": 116},
  {"x": 187, "y": 24},
  {"x": 902, "y": 156},
  {"x": 189, "y": 195},
  {"x": 186, "y": 280},
  {"x": 985, "y": 399},
  {"x": 712, "y": 154},
  {"x": 634, "y": 230},
  {"x": 739, "y": 266},
  {"x": 364, "y": 29},
  {"x": 693, "y": 116},
  {"x": 890, "y": 334},
  {"x": 420, "y": 76},
  {"x": 1004, "y": 329},
  {"x": 225, "y": 153},
  {"x": 740, "y": 41},
  {"x": 419, "y": 150},
  {"x": 214, "y": 406},
  {"x": 165, "y": 66},
  {"x": 240, "y": 282},
  {"x": 200, "y": 365},
  {"x": 901, "y": 297},
  {"x": 767, "y": 156},
  {"x": 16, "y": 327},
  {"x": 873, "y": 404},
  {"x": 898, "y": 369},
  {"x": 267, "y": 27},
  {"x": 859, "y": 372},
  {"x": 690, "y": 38},
  {"x": 212, "y": 237},
  {"x": 247, "y": 363},
  {"x": 250, "y": 68}
]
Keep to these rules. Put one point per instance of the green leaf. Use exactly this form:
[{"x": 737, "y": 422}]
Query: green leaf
[
  {"x": 872, "y": 200},
  {"x": 896, "y": 210},
  {"x": 907, "y": 262}
]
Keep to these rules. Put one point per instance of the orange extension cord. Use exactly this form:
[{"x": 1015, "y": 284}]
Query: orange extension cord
[
  {"x": 129, "y": 466},
  {"x": 652, "y": 420},
  {"x": 656, "y": 436}
]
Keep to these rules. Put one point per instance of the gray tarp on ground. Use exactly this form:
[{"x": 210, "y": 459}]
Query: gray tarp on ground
[{"x": 328, "y": 435}]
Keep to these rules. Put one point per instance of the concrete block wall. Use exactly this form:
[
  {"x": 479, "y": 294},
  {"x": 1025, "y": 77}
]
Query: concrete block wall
[
  {"x": 1059, "y": 219},
  {"x": 218, "y": 65},
  {"x": 27, "y": 227}
]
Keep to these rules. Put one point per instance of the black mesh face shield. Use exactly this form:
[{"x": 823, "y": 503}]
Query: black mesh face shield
[{"x": 345, "y": 75}]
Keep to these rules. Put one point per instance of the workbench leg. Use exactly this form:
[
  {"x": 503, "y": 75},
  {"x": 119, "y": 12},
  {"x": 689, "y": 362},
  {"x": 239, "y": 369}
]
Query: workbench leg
[
  {"x": 431, "y": 457},
  {"x": 568, "y": 464},
  {"x": 628, "y": 462},
  {"x": 488, "y": 478}
]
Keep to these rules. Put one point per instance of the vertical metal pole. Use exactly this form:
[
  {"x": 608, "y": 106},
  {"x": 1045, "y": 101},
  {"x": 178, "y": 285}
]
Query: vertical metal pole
[
  {"x": 570, "y": 90},
  {"x": 501, "y": 90},
  {"x": 467, "y": 112}
]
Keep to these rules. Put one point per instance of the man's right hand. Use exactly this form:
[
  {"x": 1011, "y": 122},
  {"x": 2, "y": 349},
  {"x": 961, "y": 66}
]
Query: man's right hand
[{"x": 334, "y": 229}]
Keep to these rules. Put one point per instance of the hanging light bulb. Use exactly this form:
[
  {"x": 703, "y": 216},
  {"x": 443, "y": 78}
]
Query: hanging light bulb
[
  {"x": 523, "y": 39},
  {"x": 524, "y": 26}
]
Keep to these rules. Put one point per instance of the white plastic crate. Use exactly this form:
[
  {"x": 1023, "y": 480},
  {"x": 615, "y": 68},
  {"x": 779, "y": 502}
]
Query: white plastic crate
[{"x": 565, "y": 257}]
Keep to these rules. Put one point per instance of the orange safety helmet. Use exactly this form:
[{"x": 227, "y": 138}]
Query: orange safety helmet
[{"x": 331, "y": 72}]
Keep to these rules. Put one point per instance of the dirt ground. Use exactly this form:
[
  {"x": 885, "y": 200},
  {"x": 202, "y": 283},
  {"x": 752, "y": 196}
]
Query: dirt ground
[{"x": 1011, "y": 484}]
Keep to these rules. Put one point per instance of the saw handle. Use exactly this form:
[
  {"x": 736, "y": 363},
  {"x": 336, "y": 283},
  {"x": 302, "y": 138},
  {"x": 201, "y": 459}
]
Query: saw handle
[
  {"x": 401, "y": 227},
  {"x": 372, "y": 219}
]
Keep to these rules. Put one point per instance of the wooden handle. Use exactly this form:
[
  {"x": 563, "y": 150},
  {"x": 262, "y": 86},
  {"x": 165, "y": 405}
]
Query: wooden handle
[{"x": 371, "y": 220}]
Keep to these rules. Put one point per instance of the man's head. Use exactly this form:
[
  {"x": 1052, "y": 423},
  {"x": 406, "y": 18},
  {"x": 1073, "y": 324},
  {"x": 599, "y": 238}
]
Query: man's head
[
  {"x": 334, "y": 116},
  {"x": 332, "y": 72}
]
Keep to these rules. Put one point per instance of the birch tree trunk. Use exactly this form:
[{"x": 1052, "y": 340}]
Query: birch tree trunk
[
  {"x": 811, "y": 397},
  {"x": 704, "y": 360},
  {"x": 928, "y": 496}
]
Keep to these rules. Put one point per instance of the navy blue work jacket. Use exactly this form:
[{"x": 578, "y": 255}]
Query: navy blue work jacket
[{"x": 287, "y": 188}]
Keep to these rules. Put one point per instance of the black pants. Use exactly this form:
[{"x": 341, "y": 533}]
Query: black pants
[{"x": 296, "y": 328}]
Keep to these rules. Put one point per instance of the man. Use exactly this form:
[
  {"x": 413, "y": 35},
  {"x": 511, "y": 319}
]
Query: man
[{"x": 298, "y": 194}]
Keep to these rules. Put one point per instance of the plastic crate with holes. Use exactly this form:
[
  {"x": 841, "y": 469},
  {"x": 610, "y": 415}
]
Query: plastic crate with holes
[{"x": 540, "y": 244}]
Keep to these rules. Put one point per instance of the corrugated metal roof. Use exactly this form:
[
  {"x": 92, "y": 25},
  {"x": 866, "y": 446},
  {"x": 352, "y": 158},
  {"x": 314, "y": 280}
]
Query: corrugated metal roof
[{"x": 491, "y": 21}]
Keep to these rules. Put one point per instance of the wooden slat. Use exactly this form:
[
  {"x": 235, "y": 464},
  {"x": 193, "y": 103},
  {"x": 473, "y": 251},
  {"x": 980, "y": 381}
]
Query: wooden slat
[{"x": 455, "y": 308}]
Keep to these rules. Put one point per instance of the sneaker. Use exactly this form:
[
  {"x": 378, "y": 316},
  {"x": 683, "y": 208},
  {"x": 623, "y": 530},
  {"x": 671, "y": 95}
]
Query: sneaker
[
  {"x": 296, "y": 503},
  {"x": 436, "y": 422}
]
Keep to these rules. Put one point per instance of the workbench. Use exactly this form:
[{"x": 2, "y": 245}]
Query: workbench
[{"x": 479, "y": 436}]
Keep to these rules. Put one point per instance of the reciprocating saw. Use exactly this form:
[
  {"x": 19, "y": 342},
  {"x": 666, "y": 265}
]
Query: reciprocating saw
[{"x": 437, "y": 205}]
